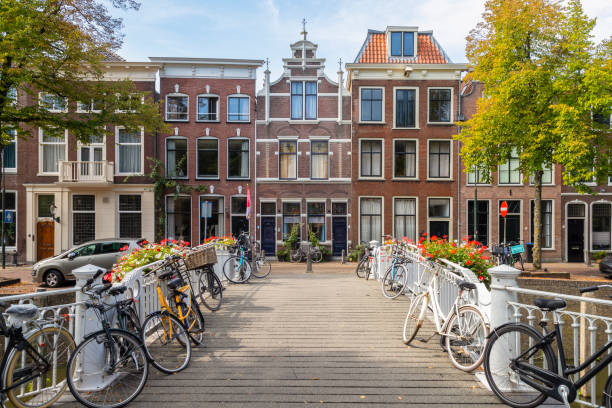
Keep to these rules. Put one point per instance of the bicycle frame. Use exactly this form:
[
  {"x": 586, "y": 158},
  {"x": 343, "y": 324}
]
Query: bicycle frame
[{"x": 432, "y": 296}]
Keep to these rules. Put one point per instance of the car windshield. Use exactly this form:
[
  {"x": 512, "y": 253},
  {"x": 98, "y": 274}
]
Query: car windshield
[{"x": 85, "y": 250}]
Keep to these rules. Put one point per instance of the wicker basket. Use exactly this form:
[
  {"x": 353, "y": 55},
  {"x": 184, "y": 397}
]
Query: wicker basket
[{"x": 200, "y": 257}]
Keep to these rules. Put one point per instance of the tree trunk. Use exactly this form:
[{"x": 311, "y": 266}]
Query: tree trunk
[{"x": 537, "y": 220}]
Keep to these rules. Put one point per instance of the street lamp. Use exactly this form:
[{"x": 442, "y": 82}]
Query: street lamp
[{"x": 52, "y": 209}]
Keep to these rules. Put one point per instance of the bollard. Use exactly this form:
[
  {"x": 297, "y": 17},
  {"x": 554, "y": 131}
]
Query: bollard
[
  {"x": 308, "y": 259},
  {"x": 342, "y": 255}
]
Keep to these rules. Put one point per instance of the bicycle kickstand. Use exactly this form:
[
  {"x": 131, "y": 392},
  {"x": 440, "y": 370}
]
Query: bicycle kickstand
[{"x": 425, "y": 340}]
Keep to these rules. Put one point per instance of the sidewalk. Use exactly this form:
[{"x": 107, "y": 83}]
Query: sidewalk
[{"x": 578, "y": 271}]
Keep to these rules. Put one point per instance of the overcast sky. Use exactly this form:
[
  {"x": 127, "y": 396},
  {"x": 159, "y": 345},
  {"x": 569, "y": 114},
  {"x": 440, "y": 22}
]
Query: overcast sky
[{"x": 260, "y": 29}]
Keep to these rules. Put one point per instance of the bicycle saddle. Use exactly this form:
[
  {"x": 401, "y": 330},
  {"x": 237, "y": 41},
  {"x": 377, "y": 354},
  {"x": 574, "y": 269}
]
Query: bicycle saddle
[
  {"x": 549, "y": 304},
  {"x": 165, "y": 275},
  {"x": 26, "y": 311},
  {"x": 176, "y": 283},
  {"x": 465, "y": 285},
  {"x": 117, "y": 290}
]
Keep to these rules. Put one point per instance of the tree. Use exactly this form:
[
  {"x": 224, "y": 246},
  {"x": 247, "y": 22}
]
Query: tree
[
  {"x": 543, "y": 76},
  {"x": 58, "y": 47}
]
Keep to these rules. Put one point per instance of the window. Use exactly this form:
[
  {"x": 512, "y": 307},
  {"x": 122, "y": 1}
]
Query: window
[
  {"x": 404, "y": 218},
  {"x": 52, "y": 102},
  {"x": 482, "y": 221},
  {"x": 509, "y": 172},
  {"x": 602, "y": 221},
  {"x": 303, "y": 100},
  {"x": 238, "y": 158},
  {"x": 86, "y": 250},
  {"x": 83, "y": 218},
  {"x": 547, "y": 219},
  {"x": 288, "y": 160},
  {"x": 402, "y": 44},
  {"x": 178, "y": 218},
  {"x": 130, "y": 216},
  {"x": 212, "y": 226},
  {"x": 240, "y": 223},
  {"x": 9, "y": 159},
  {"x": 176, "y": 158},
  {"x": 483, "y": 176},
  {"x": 602, "y": 118},
  {"x": 371, "y": 104},
  {"x": 371, "y": 158},
  {"x": 405, "y": 158},
  {"x": 238, "y": 109},
  {"x": 405, "y": 108},
  {"x": 208, "y": 158},
  {"x": 177, "y": 107},
  {"x": 53, "y": 147},
  {"x": 44, "y": 205},
  {"x": 439, "y": 217},
  {"x": 440, "y": 105},
  {"x": 111, "y": 247},
  {"x": 547, "y": 175},
  {"x": 512, "y": 222},
  {"x": 268, "y": 208},
  {"x": 439, "y": 158},
  {"x": 208, "y": 107},
  {"x": 319, "y": 159},
  {"x": 130, "y": 102},
  {"x": 316, "y": 219},
  {"x": 339, "y": 208},
  {"x": 291, "y": 218},
  {"x": 10, "y": 228},
  {"x": 94, "y": 105},
  {"x": 129, "y": 152},
  {"x": 94, "y": 151},
  {"x": 370, "y": 219},
  {"x": 11, "y": 95}
]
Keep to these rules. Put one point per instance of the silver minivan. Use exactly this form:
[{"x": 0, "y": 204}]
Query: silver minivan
[{"x": 104, "y": 253}]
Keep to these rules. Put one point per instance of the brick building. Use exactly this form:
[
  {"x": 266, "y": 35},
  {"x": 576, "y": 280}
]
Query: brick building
[
  {"x": 304, "y": 153},
  {"x": 66, "y": 193},
  {"x": 209, "y": 105},
  {"x": 405, "y": 99}
]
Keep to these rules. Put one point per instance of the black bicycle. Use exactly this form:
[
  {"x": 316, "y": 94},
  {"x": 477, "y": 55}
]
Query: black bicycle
[
  {"x": 363, "y": 266},
  {"x": 33, "y": 364},
  {"x": 521, "y": 367},
  {"x": 510, "y": 253}
]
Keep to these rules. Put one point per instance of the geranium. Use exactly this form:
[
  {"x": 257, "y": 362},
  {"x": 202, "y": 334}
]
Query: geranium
[{"x": 147, "y": 254}]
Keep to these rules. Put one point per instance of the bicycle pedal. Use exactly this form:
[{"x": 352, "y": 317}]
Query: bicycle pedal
[{"x": 422, "y": 339}]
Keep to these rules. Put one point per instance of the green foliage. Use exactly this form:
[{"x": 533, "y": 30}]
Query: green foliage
[
  {"x": 312, "y": 237},
  {"x": 292, "y": 239},
  {"x": 596, "y": 256},
  {"x": 356, "y": 254},
  {"x": 282, "y": 254}
]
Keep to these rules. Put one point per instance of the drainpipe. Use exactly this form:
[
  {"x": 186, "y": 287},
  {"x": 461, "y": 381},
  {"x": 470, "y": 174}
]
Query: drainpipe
[{"x": 459, "y": 117}]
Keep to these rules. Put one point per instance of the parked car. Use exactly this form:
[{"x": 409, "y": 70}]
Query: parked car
[
  {"x": 605, "y": 265},
  {"x": 104, "y": 253}
]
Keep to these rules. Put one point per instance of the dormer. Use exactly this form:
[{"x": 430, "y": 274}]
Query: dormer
[{"x": 401, "y": 41}]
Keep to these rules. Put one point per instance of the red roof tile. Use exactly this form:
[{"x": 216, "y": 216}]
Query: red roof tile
[{"x": 428, "y": 52}]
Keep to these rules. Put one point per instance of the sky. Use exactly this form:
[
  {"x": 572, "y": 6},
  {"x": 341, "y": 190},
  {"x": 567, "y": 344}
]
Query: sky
[{"x": 260, "y": 29}]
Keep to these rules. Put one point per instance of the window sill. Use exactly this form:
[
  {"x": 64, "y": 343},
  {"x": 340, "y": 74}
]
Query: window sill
[
  {"x": 207, "y": 178},
  {"x": 10, "y": 171},
  {"x": 238, "y": 178},
  {"x": 441, "y": 123},
  {"x": 405, "y": 128},
  {"x": 304, "y": 121},
  {"x": 405, "y": 179},
  {"x": 48, "y": 174},
  {"x": 177, "y": 178},
  {"x": 543, "y": 185},
  {"x": 177, "y": 120},
  {"x": 128, "y": 174},
  {"x": 478, "y": 185},
  {"x": 287, "y": 179},
  {"x": 440, "y": 179},
  {"x": 238, "y": 121},
  {"x": 93, "y": 111},
  {"x": 365, "y": 178},
  {"x": 510, "y": 185},
  {"x": 208, "y": 121},
  {"x": 371, "y": 122}
]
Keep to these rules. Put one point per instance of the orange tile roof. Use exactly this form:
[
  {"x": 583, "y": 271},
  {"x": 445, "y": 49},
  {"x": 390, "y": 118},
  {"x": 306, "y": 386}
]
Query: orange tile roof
[{"x": 375, "y": 51}]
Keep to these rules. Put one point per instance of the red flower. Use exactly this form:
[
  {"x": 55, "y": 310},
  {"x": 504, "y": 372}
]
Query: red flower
[
  {"x": 424, "y": 234},
  {"x": 453, "y": 251},
  {"x": 468, "y": 262},
  {"x": 174, "y": 241},
  {"x": 444, "y": 236},
  {"x": 481, "y": 278},
  {"x": 187, "y": 243},
  {"x": 433, "y": 238}
]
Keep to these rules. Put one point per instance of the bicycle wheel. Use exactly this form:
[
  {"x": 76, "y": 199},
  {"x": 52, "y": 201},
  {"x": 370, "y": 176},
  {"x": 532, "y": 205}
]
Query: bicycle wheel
[
  {"x": 394, "y": 281},
  {"x": 518, "y": 259},
  {"x": 414, "y": 317},
  {"x": 193, "y": 322},
  {"x": 505, "y": 345},
  {"x": 295, "y": 256},
  {"x": 166, "y": 342},
  {"x": 235, "y": 271},
  {"x": 261, "y": 267},
  {"x": 256, "y": 248},
  {"x": 316, "y": 255},
  {"x": 362, "y": 267},
  {"x": 108, "y": 372},
  {"x": 46, "y": 388},
  {"x": 211, "y": 290},
  {"x": 606, "y": 399},
  {"x": 466, "y": 338}
]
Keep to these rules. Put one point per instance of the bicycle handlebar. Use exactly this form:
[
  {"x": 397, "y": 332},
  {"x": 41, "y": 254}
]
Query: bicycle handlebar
[{"x": 594, "y": 288}]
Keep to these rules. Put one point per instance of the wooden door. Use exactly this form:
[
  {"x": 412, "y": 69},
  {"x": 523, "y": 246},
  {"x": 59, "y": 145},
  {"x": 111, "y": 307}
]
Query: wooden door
[{"x": 45, "y": 232}]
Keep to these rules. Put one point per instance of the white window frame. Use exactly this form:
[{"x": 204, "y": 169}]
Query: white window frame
[
  {"x": 175, "y": 94},
  {"x": 325, "y": 208},
  {"x": 467, "y": 217},
  {"x": 297, "y": 156},
  {"x": 218, "y": 176},
  {"x": 73, "y": 211},
  {"x": 382, "y": 116},
  {"x": 452, "y": 107},
  {"x": 467, "y": 179},
  {"x": 382, "y": 160},
  {"x": 119, "y": 211},
  {"x": 318, "y": 140},
  {"x": 552, "y": 223},
  {"x": 52, "y": 109},
  {"x": 590, "y": 223},
  {"x": 500, "y": 225},
  {"x": 416, "y": 106},
  {"x": 552, "y": 177},
  {"x": 585, "y": 227},
  {"x": 416, "y": 177},
  {"x": 450, "y": 164},
  {"x": 248, "y": 177},
  {"x": 209, "y": 95},
  {"x": 131, "y": 96},
  {"x": 190, "y": 214},
  {"x": 90, "y": 107},
  {"x": 303, "y": 118},
  {"x": 450, "y": 218},
  {"x": 102, "y": 144},
  {"x": 117, "y": 146},
  {"x": 382, "y": 215},
  {"x": 41, "y": 156},
  {"x": 282, "y": 216},
  {"x": 415, "y": 40},
  {"x": 232, "y": 214},
  {"x": 519, "y": 170},
  {"x": 238, "y": 95},
  {"x": 416, "y": 222},
  {"x": 186, "y": 176},
  {"x": 211, "y": 197},
  {"x": 12, "y": 170}
]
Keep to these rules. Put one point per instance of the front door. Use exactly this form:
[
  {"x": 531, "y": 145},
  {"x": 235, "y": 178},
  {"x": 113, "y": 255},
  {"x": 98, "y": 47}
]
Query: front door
[
  {"x": 575, "y": 240},
  {"x": 338, "y": 235},
  {"x": 45, "y": 231},
  {"x": 268, "y": 235}
]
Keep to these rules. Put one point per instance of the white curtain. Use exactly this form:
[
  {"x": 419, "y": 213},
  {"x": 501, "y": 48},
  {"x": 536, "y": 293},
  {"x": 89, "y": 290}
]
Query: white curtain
[
  {"x": 288, "y": 160},
  {"x": 405, "y": 218},
  {"x": 244, "y": 159},
  {"x": 54, "y": 151},
  {"x": 129, "y": 152},
  {"x": 319, "y": 157},
  {"x": 371, "y": 219}
]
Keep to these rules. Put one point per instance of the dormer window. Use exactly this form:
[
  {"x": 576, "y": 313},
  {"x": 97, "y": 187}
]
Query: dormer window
[{"x": 402, "y": 44}]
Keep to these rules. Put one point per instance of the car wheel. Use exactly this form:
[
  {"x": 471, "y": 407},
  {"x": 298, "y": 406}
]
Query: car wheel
[{"x": 54, "y": 278}]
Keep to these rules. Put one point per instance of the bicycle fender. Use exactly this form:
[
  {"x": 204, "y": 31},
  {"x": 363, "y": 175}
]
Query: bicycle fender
[{"x": 494, "y": 330}]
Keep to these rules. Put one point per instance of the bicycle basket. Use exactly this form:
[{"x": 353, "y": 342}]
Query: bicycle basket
[{"x": 205, "y": 255}]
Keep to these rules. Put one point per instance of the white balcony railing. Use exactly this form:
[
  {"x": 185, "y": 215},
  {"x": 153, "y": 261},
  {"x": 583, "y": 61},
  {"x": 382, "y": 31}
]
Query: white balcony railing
[{"x": 92, "y": 171}]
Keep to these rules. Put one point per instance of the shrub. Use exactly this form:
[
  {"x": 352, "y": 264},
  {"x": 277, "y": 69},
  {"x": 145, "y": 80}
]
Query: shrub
[{"x": 356, "y": 254}]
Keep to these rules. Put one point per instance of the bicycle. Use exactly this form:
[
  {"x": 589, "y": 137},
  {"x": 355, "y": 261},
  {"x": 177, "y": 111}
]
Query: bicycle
[
  {"x": 299, "y": 254},
  {"x": 529, "y": 373},
  {"x": 395, "y": 278},
  {"x": 34, "y": 364},
  {"x": 509, "y": 254},
  {"x": 363, "y": 266},
  {"x": 210, "y": 289},
  {"x": 237, "y": 268},
  {"x": 464, "y": 329},
  {"x": 109, "y": 368}
]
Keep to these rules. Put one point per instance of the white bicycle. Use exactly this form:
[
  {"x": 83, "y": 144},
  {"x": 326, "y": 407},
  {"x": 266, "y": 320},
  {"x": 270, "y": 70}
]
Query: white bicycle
[{"x": 464, "y": 330}]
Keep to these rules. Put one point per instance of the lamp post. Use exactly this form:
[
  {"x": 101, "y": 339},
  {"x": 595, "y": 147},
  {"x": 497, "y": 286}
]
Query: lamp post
[
  {"x": 3, "y": 229},
  {"x": 475, "y": 207}
]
